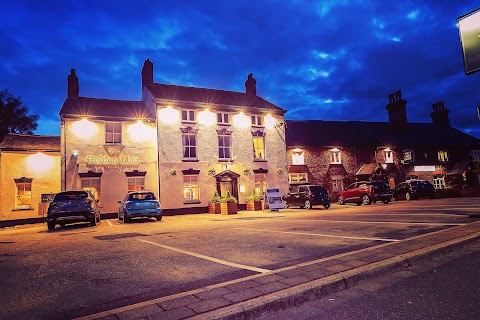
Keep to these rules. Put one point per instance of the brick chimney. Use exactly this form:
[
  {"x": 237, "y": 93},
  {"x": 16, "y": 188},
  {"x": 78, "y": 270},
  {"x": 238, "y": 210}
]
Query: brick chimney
[
  {"x": 72, "y": 85},
  {"x": 440, "y": 114},
  {"x": 251, "y": 85},
  {"x": 147, "y": 73},
  {"x": 397, "y": 111}
]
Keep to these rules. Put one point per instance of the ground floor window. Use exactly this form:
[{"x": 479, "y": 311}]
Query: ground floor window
[
  {"x": 191, "y": 190},
  {"x": 337, "y": 184},
  {"x": 136, "y": 183},
  {"x": 439, "y": 182},
  {"x": 260, "y": 183},
  {"x": 93, "y": 185},
  {"x": 297, "y": 178},
  {"x": 23, "y": 193}
]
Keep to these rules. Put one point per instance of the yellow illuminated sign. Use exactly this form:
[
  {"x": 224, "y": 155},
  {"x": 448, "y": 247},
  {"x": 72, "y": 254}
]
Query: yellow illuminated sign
[{"x": 108, "y": 160}]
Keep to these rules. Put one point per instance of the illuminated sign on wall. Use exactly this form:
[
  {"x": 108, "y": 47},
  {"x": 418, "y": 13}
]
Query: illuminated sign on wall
[
  {"x": 99, "y": 159},
  {"x": 424, "y": 168}
]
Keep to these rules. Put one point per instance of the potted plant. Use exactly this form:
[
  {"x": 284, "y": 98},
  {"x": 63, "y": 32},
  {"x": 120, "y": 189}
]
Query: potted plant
[
  {"x": 228, "y": 204},
  {"x": 214, "y": 204},
  {"x": 253, "y": 201}
]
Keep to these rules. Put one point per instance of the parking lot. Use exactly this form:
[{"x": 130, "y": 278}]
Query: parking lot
[{"x": 78, "y": 270}]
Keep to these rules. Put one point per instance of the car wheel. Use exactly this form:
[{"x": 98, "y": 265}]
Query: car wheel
[
  {"x": 285, "y": 204},
  {"x": 366, "y": 199},
  {"x": 386, "y": 201},
  {"x": 158, "y": 218},
  {"x": 51, "y": 225},
  {"x": 62, "y": 224},
  {"x": 326, "y": 206},
  {"x": 408, "y": 196},
  {"x": 358, "y": 203},
  {"x": 98, "y": 219},
  {"x": 126, "y": 219},
  {"x": 307, "y": 204},
  {"x": 93, "y": 222},
  {"x": 340, "y": 200}
]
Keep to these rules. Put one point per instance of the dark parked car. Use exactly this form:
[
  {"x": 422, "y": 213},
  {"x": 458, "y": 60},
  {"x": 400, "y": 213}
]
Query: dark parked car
[
  {"x": 73, "y": 206},
  {"x": 139, "y": 204},
  {"x": 365, "y": 192},
  {"x": 414, "y": 189},
  {"x": 306, "y": 196}
]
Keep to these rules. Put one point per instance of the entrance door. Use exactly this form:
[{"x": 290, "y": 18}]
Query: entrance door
[{"x": 224, "y": 187}]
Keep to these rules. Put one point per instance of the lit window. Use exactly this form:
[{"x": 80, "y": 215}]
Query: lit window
[
  {"x": 388, "y": 156},
  {"x": 136, "y": 183},
  {"x": 442, "y": 156},
  {"x": 259, "y": 148},
  {"x": 476, "y": 155},
  {"x": 113, "y": 132},
  {"x": 223, "y": 118},
  {"x": 297, "y": 178},
  {"x": 24, "y": 193},
  {"x": 190, "y": 187},
  {"x": 297, "y": 156},
  {"x": 92, "y": 185},
  {"x": 260, "y": 183},
  {"x": 224, "y": 146},
  {"x": 337, "y": 183},
  {"x": 408, "y": 156},
  {"x": 439, "y": 182},
  {"x": 188, "y": 115},
  {"x": 335, "y": 156},
  {"x": 189, "y": 143},
  {"x": 257, "y": 121}
]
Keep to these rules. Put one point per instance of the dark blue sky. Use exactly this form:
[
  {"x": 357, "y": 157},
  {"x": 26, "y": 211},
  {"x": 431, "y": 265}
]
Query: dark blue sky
[{"x": 327, "y": 60}]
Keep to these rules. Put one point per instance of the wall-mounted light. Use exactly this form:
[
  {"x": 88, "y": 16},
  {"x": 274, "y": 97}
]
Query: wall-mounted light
[
  {"x": 75, "y": 153},
  {"x": 140, "y": 132},
  {"x": 40, "y": 162},
  {"x": 270, "y": 122},
  {"x": 168, "y": 115},
  {"x": 241, "y": 120},
  {"x": 335, "y": 149},
  {"x": 84, "y": 128},
  {"x": 206, "y": 117}
]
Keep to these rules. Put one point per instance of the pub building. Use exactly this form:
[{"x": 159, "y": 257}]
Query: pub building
[{"x": 182, "y": 143}]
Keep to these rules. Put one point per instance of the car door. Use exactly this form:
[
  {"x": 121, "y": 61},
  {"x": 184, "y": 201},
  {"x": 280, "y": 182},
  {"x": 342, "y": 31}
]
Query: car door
[
  {"x": 349, "y": 192},
  {"x": 292, "y": 196},
  {"x": 302, "y": 195}
]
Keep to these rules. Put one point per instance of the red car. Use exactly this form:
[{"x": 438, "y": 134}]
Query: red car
[{"x": 365, "y": 192}]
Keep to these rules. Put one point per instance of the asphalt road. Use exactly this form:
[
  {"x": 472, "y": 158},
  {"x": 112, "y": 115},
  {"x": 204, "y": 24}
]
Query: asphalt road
[
  {"x": 78, "y": 270},
  {"x": 446, "y": 287}
]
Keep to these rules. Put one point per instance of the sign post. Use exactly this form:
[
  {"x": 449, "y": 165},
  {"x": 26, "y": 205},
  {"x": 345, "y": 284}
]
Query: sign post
[{"x": 274, "y": 198}]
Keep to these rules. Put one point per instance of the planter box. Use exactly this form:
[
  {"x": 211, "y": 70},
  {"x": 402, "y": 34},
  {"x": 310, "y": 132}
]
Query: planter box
[
  {"x": 254, "y": 205},
  {"x": 214, "y": 208},
  {"x": 228, "y": 208}
]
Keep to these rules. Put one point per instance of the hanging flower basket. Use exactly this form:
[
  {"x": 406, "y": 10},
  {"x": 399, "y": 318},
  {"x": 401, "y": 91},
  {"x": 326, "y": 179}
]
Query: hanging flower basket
[
  {"x": 212, "y": 172},
  {"x": 280, "y": 171},
  {"x": 172, "y": 172}
]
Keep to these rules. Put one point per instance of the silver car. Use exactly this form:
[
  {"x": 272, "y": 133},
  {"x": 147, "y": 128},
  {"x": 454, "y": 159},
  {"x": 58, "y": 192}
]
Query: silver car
[
  {"x": 139, "y": 204},
  {"x": 73, "y": 206}
]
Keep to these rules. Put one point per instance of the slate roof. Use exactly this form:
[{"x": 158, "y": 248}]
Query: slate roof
[
  {"x": 192, "y": 95},
  {"x": 23, "y": 142},
  {"x": 105, "y": 108},
  {"x": 315, "y": 133}
]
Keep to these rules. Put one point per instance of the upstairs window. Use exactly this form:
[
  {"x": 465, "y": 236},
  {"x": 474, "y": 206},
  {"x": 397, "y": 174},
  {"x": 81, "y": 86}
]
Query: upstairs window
[
  {"x": 408, "y": 156},
  {"x": 259, "y": 148},
  {"x": 189, "y": 144},
  {"x": 335, "y": 156},
  {"x": 113, "y": 132},
  {"x": 298, "y": 157},
  {"x": 442, "y": 156},
  {"x": 388, "y": 155},
  {"x": 475, "y": 155},
  {"x": 257, "y": 121},
  {"x": 224, "y": 147},
  {"x": 188, "y": 115},
  {"x": 223, "y": 118}
]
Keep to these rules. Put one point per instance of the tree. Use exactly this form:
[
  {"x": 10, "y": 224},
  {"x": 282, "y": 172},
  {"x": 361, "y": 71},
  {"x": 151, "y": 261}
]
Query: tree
[{"x": 14, "y": 117}]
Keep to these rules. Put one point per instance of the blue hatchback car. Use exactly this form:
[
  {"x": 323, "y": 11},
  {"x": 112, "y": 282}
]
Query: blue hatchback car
[{"x": 139, "y": 204}]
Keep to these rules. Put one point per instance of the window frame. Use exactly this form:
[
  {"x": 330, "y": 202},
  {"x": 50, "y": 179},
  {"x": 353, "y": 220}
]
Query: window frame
[
  {"x": 412, "y": 156},
  {"x": 296, "y": 178},
  {"x": 190, "y": 147},
  {"x": 443, "y": 156},
  {"x": 256, "y": 120},
  {"x": 439, "y": 182},
  {"x": 260, "y": 184},
  {"x": 195, "y": 185},
  {"x": 475, "y": 155},
  {"x": 189, "y": 113},
  {"x": 335, "y": 157},
  {"x": 91, "y": 186},
  {"x": 224, "y": 148},
  {"x": 221, "y": 116},
  {"x": 298, "y": 157},
  {"x": 388, "y": 154},
  {"x": 257, "y": 149},
  {"x": 116, "y": 136},
  {"x": 136, "y": 185},
  {"x": 26, "y": 194}
]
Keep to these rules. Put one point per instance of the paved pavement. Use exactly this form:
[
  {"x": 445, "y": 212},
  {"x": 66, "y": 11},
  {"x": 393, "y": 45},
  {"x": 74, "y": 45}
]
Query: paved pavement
[{"x": 272, "y": 291}]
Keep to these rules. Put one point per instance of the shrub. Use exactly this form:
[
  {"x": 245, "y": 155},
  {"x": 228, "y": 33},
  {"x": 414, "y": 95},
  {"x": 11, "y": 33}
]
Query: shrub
[
  {"x": 228, "y": 198},
  {"x": 253, "y": 196}
]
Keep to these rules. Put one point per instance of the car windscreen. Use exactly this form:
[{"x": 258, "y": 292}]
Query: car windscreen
[
  {"x": 141, "y": 196},
  {"x": 70, "y": 196}
]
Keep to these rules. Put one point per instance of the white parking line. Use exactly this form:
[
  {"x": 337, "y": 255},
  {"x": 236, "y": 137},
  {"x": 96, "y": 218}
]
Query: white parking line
[
  {"x": 201, "y": 256},
  {"x": 110, "y": 223},
  {"x": 386, "y": 222},
  {"x": 322, "y": 235}
]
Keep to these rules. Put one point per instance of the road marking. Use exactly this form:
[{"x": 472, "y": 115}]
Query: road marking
[
  {"x": 110, "y": 223},
  {"x": 201, "y": 256},
  {"x": 12, "y": 231},
  {"x": 322, "y": 235},
  {"x": 385, "y": 222}
]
